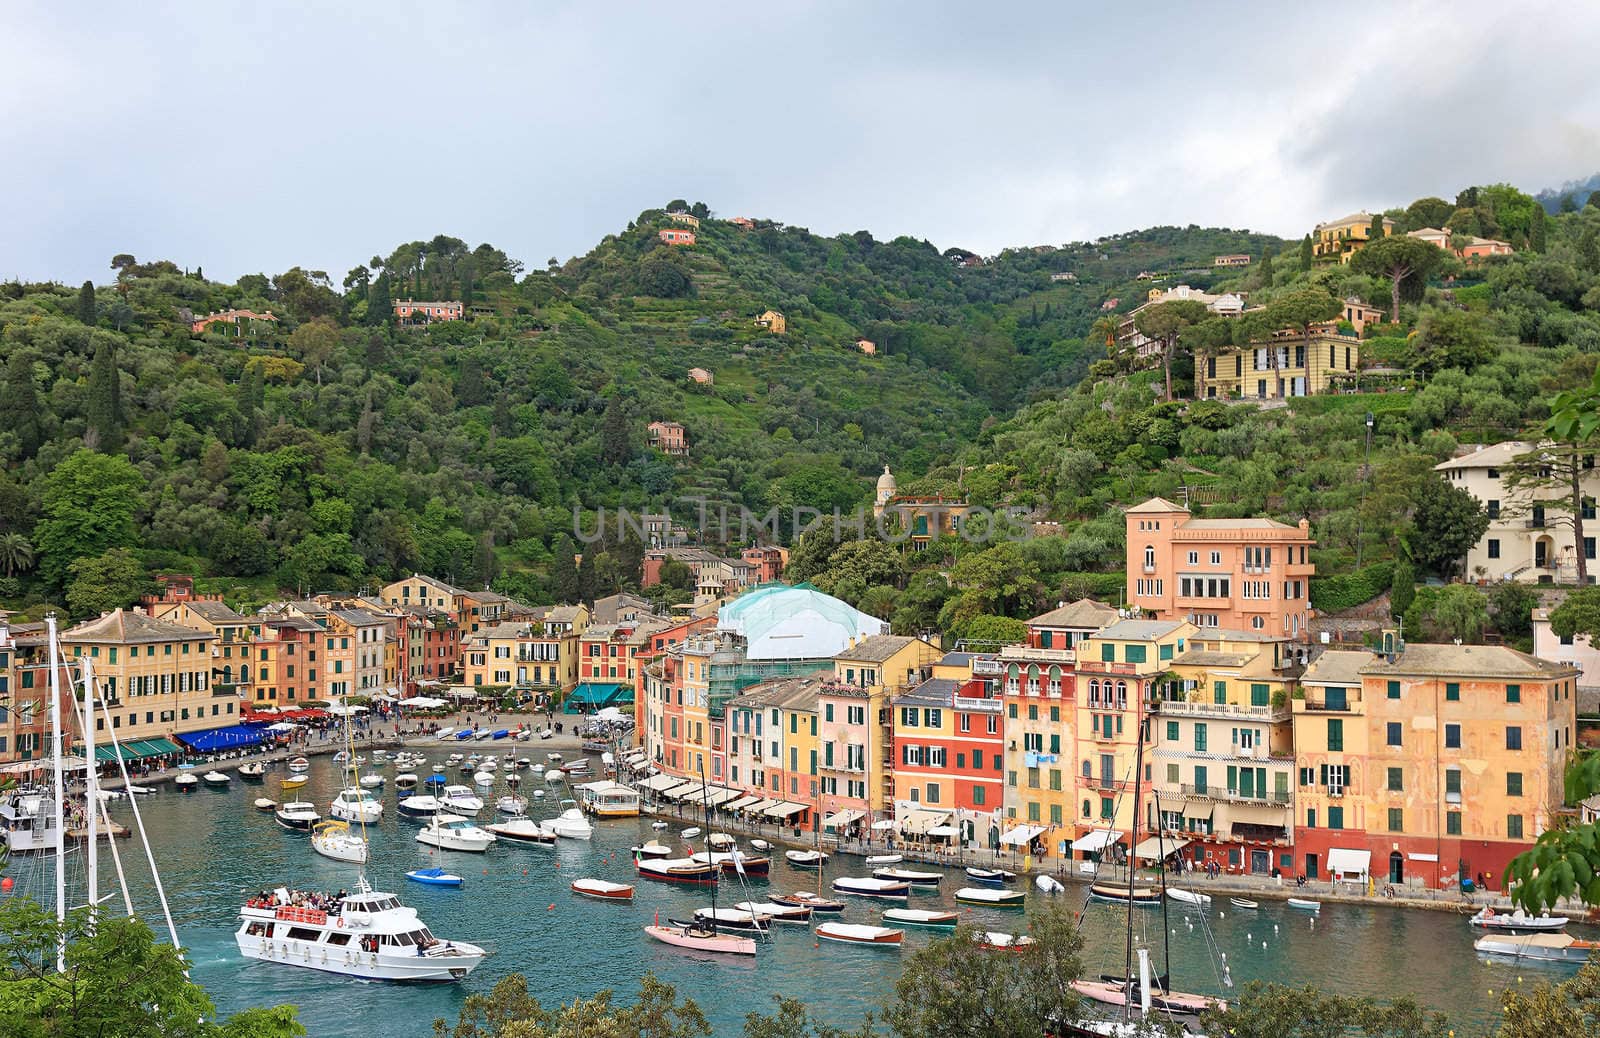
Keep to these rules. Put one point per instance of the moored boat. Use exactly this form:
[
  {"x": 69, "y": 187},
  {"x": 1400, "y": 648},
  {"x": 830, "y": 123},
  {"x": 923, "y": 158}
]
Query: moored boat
[
  {"x": 856, "y": 933},
  {"x": 570, "y": 824},
  {"x": 990, "y": 897},
  {"x": 299, "y": 764},
  {"x": 522, "y": 830},
  {"x": 1516, "y": 922},
  {"x": 293, "y": 781},
  {"x": 735, "y": 861},
  {"x": 651, "y": 849},
  {"x": 406, "y": 781},
  {"x": 1305, "y": 904},
  {"x": 419, "y": 806},
  {"x": 1243, "y": 902},
  {"x": 354, "y": 804},
  {"x": 1545, "y": 947},
  {"x": 454, "y": 833},
  {"x": 887, "y": 889},
  {"x": 297, "y": 815},
  {"x": 805, "y": 899},
  {"x": 701, "y": 938},
  {"x": 885, "y": 859},
  {"x": 994, "y": 940},
  {"x": 434, "y": 877},
  {"x": 678, "y": 870},
  {"x": 335, "y": 840},
  {"x": 916, "y": 879},
  {"x": 1048, "y": 884},
  {"x": 1121, "y": 895},
  {"x": 775, "y": 912},
  {"x": 266, "y": 804},
  {"x": 736, "y": 920},
  {"x": 603, "y": 890},
  {"x": 923, "y": 917},
  {"x": 1189, "y": 897},
  {"x": 990, "y": 877},
  {"x": 371, "y": 780},
  {"x": 253, "y": 770},
  {"x": 186, "y": 783},
  {"x": 806, "y": 859}
]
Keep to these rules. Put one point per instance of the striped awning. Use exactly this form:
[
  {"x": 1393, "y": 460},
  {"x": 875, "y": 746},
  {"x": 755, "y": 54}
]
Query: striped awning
[
  {"x": 720, "y": 795},
  {"x": 841, "y": 819},
  {"x": 137, "y": 749},
  {"x": 681, "y": 791},
  {"x": 741, "y": 803},
  {"x": 784, "y": 809},
  {"x": 656, "y": 783},
  {"x": 759, "y": 807}
]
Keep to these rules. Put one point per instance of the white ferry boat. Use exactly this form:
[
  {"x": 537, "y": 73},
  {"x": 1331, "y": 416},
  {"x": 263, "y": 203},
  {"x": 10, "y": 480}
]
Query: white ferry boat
[{"x": 368, "y": 935}]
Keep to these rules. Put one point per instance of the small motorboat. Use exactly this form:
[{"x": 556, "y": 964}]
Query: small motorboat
[
  {"x": 553, "y": 776},
  {"x": 570, "y": 824},
  {"x": 483, "y": 779},
  {"x": 293, "y": 781},
  {"x": 299, "y": 764},
  {"x": 538, "y": 794},
  {"x": 1048, "y": 884},
  {"x": 216, "y": 779},
  {"x": 266, "y": 804},
  {"x": 1305, "y": 904},
  {"x": 547, "y": 733},
  {"x": 922, "y": 917},
  {"x": 523, "y": 830},
  {"x": 461, "y": 800},
  {"x": 455, "y": 833},
  {"x": 512, "y": 805},
  {"x": 186, "y": 782},
  {"x": 371, "y": 780},
  {"x": 886, "y": 889},
  {"x": 341, "y": 756},
  {"x": 297, "y": 815},
  {"x": 994, "y": 940},
  {"x": 554, "y": 758},
  {"x": 254, "y": 770},
  {"x": 335, "y": 840},
  {"x": 658, "y": 825},
  {"x": 143, "y": 791},
  {"x": 775, "y": 912},
  {"x": 1517, "y": 921},
  {"x": 651, "y": 849},
  {"x": 990, "y": 877},
  {"x": 678, "y": 870},
  {"x": 603, "y": 890},
  {"x": 435, "y": 783},
  {"x": 806, "y": 899},
  {"x": 434, "y": 877},
  {"x": 690, "y": 833},
  {"x": 354, "y": 804},
  {"x": 500, "y": 733},
  {"x": 524, "y": 762},
  {"x": 1243, "y": 902},
  {"x": 537, "y": 769},
  {"x": 1119, "y": 895},
  {"x": 761, "y": 845},
  {"x": 806, "y": 859},
  {"x": 697, "y": 937},
  {"x": 719, "y": 841},
  {"x": 1189, "y": 897},
  {"x": 855, "y": 933},
  {"x": 735, "y": 919},
  {"x": 1549, "y": 947},
  {"x": 419, "y": 806},
  {"x": 990, "y": 897},
  {"x": 916, "y": 879},
  {"x": 454, "y": 759},
  {"x": 885, "y": 859}
]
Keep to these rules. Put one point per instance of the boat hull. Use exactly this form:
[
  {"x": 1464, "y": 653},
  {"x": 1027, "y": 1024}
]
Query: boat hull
[
  {"x": 1119, "y": 895},
  {"x": 888, "y": 891},
  {"x": 603, "y": 891},
  {"x": 699, "y": 876},
  {"x": 719, "y": 943},
  {"x": 349, "y": 962},
  {"x": 988, "y": 898},
  {"x": 872, "y": 936}
]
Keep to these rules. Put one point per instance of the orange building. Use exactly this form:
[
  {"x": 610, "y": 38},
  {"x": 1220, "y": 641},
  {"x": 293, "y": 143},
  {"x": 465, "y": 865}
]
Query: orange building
[
  {"x": 243, "y": 321},
  {"x": 1239, "y": 574},
  {"x": 407, "y": 311},
  {"x": 668, "y": 438},
  {"x": 674, "y": 236}
]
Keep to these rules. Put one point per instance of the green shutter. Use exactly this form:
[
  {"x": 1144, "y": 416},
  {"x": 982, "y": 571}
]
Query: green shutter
[
  {"x": 1394, "y": 690},
  {"x": 1260, "y": 695},
  {"x": 1134, "y": 654},
  {"x": 1513, "y": 693},
  {"x": 1108, "y": 653},
  {"x": 1452, "y": 691}
]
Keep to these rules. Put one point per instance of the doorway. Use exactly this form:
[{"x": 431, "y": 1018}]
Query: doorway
[
  {"x": 1397, "y": 868},
  {"x": 1260, "y": 863},
  {"x": 1311, "y": 866}
]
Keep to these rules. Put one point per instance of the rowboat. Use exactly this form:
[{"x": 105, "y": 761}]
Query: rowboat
[
  {"x": 994, "y": 940},
  {"x": 855, "y": 933},
  {"x": 885, "y": 859},
  {"x": 775, "y": 912},
  {"x": 1242, "y": 902},
  {"x": 603, "y": 890},
  {"x": 522, "y": 830},
  {"x": 299, "y": 764},
  {"x": 253, "y": 770},
  {"x": 651, "y": 849},
  {"x": 806, "y": 899},
  {"x": 921, "y": 917},
  {"x": 989, "y": 897},
  {"x": 1547, "y": 947},
  {"x": 266, "y": 804},
  {"x": 1517, "y": 922},
  {"x": 1305, "y": 904},
  {"x": 761, "y": 845},
  {"x": 1189, "y": 897},
  {"x": 737, "y": 920},
  {"x": 990, "y": 877},
  {"x": 677, "y": 870},
  {"x": 1048, "y": 884},
  {"x": 1120, "y": 895},
  {"x": 733, "y": 861},
  {"x": 916, "y": 879},
  {"x": 434, "y": 877},
  {"x": 690, "y": 833},
  {"x": 887, "y": 889},
  {"x": 697, "y": 938},
  {"x": 293, "y": 781},
  {"x": 806, "y": 859}
]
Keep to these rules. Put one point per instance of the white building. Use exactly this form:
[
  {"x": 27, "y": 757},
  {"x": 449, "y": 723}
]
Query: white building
[
  {"x": 1526, "y": 541},
  {"x": 1576, "y": 650}
]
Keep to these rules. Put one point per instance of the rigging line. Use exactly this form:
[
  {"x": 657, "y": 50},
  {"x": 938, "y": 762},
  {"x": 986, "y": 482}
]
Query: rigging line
[
  {"x": 59, "y": 806},
  {"x": 93, "y": 803}
]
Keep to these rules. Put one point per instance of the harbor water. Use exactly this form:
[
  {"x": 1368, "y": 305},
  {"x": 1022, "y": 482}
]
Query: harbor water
[{"x": 215, "y": 849}]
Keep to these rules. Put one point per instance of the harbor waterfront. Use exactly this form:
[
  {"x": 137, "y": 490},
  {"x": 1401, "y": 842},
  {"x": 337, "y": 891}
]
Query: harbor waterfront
[{"x": 215, "y": 850}]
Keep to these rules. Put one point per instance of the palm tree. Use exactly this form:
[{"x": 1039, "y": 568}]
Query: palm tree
[{"x": 16, "y": 553}]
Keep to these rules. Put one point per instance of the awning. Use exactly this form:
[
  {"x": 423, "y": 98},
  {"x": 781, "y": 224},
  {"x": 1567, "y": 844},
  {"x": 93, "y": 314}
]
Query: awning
[
  {"x": 656, "y": 783},
  {"x": 591, "y": 694},
  {"x": 460, "y": 692},
  {"x": 1098, "y": 840},
  {"x": 137, "y": 749},
  {"x": 1259, "y": 814},
  {"x": 741, "y": 803},
  {"x": 919, "y": 822},
  {"x": 720, "y": 795},
  {"x": 422, "y": 703},
  {"x": 944, "y": 831},
  {"x": 1156, "y": 849},
  {"x": 784, "y": 809},
  {"x": 1020, "y": 836},
  {"x": 682, "y": 790},
  {"x": 843, "y": 818},
  {"x": 1342, "y": 860},
  {"x": 883, "y": 823},
  {"x": 227, "y": 737},
  {"x": 1423, "y": 857},
  {"x": 759, "y": 807}
]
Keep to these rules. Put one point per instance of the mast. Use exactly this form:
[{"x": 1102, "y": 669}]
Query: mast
[
  {"x": 1161, "y": 870},
  {"x": 53, "y": 655},
  {"x": 1133, "y": 844},
  {"x": 716, "y": 869},
  {"x": 91, "y": 788}
]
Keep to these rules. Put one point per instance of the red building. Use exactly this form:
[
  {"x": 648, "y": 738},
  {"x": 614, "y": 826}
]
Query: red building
[
  {"x": 676, "y": 236},
  {"x": 766, "y": 562},
  {"x": 949, "y": 747},
  {"x": 408, "y": 311}
]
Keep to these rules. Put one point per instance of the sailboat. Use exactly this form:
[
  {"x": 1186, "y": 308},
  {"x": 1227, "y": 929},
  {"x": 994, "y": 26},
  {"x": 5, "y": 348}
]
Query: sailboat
[
  {"x": 815, "y": 859},
  {"x": 701, "y": 933}
]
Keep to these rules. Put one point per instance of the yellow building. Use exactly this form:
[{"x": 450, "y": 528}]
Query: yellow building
[
  {"x": 773, "y": 321},
  {"x": 418, "y": 590},
  {"x": 1344, "y": 237},
  {"x": 1330, "y": 743},
  {"x": 699, "y": 736},
  {"x": 155, "y": 676},
  {"x": 1040, "y": 738},
  {"x": 1117, "y": 670},
  {"x": 1286, "y": 366}
]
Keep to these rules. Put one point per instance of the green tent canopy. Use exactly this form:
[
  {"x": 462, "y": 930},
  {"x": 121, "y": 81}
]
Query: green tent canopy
[{"x": 594, "y": 695}]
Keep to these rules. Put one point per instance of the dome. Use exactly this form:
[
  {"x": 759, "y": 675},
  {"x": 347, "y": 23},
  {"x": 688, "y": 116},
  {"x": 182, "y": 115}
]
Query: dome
[{"x": 886, "y": 483}]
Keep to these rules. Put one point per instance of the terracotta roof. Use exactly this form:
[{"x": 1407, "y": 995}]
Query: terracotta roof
[
  {"x": 1155, "y": 504},
  {"x": 1140, "y": 630},
  {"x": 1246, "y": 523},
  {"x": 1084, "y": 613},
  {"x": 876, "y": 648},
  {"x": 562, "y": 614},
  {"x": 784, "y": 693},
  {"x": 1467, "y": 661},
  {"x": 125, "y": 627}
]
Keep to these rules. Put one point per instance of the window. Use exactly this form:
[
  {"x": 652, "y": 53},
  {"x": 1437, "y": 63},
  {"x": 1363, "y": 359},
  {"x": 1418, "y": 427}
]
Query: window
[
  {"x": 1513, "y": 737},
  {"x": 1513, "y": 693},
  {"x": 1393, "y": 734},
  {"x": 1452, "y": 823},
  {"x": 1394, "y": 690},
  {"x": 1396, "y": 779},
  {"x": 1452, "y": 782},
  {"x": 1513, "y": 783},
  {"x": 1260, "y": 695},
  {"x": 1335, "y": 818},
  {"x": 1106, "y": 807},
  {"x": 1134, "y": 654},
  {"x": 1492, "y": 506},
  {"x": 1172, "y": 731},
  {"x": 1200, "y": 737},
  {"x": 1335, "y": 733},
  {"x": 1494, "y": 547},
  {"x": 1452, "y": 691},
  {"x": 1397, "y": 820},
  {"x": 1514, "y": 827},
  {"x": 1452, "y": 736},
  {"x": 1311, "y": 818}
]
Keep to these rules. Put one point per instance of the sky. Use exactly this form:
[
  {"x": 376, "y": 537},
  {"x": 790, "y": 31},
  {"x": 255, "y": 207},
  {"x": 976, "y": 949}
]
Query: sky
[{"x": 246, "y": 138}]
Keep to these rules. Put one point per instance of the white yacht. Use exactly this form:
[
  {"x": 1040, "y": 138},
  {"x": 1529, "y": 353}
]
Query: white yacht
[
  {"x": 369, "y": 935},
  {"x": 335, "y": 840},
  {"x": 419, "y": 806},
  {"x": 298, "y": 815},
  {"x": 454, "y": 833},
  {"x": 461, "y": 800},
  {"x": 354, "y": 804},
  {"x": 570, "y": 824},
  {"x": 29, "y": 821}
]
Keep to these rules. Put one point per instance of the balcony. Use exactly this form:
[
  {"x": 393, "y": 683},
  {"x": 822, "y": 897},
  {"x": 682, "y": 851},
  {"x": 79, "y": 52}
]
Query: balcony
[
  {"x": 1211, "y": 792},
  {"x": 1324, "y": 705},
  {"x": 1106, "y": 785},
  {"x": 220, "y": 689},
  {"x": 989, "y": 668},
  {"x": 1031, "y": 654},
  {"x": 1231, "y": 711}
]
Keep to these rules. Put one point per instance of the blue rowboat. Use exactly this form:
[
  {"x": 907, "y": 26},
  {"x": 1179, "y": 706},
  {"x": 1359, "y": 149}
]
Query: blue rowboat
[
  {"x": 465, "y": 733},
  {"x": 434, "y": 877},
  {"x": 502, "y": 733}
]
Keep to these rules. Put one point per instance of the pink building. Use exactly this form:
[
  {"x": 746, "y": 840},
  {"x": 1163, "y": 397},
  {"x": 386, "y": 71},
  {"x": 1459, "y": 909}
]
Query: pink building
[
  {"x": 1548, "y": 645},
  {"x": 676, "y": 236},
  {"x": 408, "y": 311},
  {"x": 701, "y": 376},
  {"x": 669, "y": 438}
]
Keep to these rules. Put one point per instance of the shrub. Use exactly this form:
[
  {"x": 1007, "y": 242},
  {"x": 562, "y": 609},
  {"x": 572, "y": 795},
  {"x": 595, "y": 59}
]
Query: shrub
[{"x": 1347, "y": 590}]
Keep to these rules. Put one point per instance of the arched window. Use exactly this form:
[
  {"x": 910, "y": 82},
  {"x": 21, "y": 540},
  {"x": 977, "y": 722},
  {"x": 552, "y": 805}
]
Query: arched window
[
  {"x": 1054, "y": 686},
  {"x": 1088, "y": 771},
  {"x": 1257, "y": 623},
  {"x": 1086, "y": 809},
  {"x": 1149, "y": 556},
  {"x": 1122, "y": 694},
  {"x": 1094, "y": 691}
]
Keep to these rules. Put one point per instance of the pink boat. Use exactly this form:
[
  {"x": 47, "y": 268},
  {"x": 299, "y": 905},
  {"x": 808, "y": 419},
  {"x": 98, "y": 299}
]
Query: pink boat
[
  {"x": 1112, "y": 994},
  {"x": 706, "y": 940}
]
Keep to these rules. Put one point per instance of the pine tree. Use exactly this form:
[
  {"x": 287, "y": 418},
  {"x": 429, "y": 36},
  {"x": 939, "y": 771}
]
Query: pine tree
[
  {"x": 88, "y": 312},
  {"x": 484, "y": 563},
  {"x": 586, "y": 575},
  {"x": 1536, "y": 232},
  {"x": 616, "y": 444},
  {"x": 105, "y": 399},
  {"x": 19, "y": 402},
  {"x": 252, "y": 390},
  {"x": 564, "y": 571},
  {"x": 1306, "y": 254},
  {"x": 380, "y": 304},
  {"x": 470, "y": 388},
  {"x": 377, "y": 351},
  {"x": 1266, "y": 266}
]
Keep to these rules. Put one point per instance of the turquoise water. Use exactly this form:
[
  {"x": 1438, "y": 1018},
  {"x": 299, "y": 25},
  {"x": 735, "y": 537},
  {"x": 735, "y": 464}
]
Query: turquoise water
[{"x": 214, "y": 848}]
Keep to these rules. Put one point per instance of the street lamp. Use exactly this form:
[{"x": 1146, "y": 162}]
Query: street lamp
[{"x": 1366, "y": 474}]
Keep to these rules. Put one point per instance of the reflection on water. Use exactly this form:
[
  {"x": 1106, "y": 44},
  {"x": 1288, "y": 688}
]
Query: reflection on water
[{"x": 215, "y": 848}]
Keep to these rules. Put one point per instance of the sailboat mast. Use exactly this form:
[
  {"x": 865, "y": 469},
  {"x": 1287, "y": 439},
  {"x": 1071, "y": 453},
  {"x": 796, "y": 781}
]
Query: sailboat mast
[
  {"x": 91, "y": 787},
  {"x": 1161, "y": 870},
  {"x": 1133, "y": 845},
  {"x": 54, "y": 655},
  {"x": 716, "y": 869}
]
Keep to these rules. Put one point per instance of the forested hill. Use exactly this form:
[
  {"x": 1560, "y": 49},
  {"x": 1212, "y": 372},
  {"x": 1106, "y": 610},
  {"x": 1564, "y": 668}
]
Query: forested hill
[{"x": 330, "y": 448}]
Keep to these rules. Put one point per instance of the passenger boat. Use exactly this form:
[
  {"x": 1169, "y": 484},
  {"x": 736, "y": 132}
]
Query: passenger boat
[
  {"x": 455, "y": 833},
  {"x": 297, "y": 815},
  {"x": 887, "y": 889},
  {"x": 1305, "y": 904},
  {"x": 419, "y": 806},
  {"x": 216, "y": 778},
  {"x": 522, "y": 830},
  {"x": 1544, "y": 947},
  {"x": 570, "y": 824},
  {"x": 989, "y": 897},
  {"x": 736, "y": 920},
  {"x": 369, "y": 935},
  {"x": 434, "y": 877},
  {"x": 775, "y": 912},
  {"x": 354, "y": 804},
  {"x": 253, "y": 770},
  {"x": 651, "y": 849},
  {"x": 186, "y": 783},
  {"x": 916, "y": 879},
  {"x": 678, "y": 870},
  {"x": 335, "y": 840},
  {"x": 990, "y": 877},
  {"x": 461, "y": 800},
  {"x": 805, "y": 899},
  {"x": 806, "y": 859},
  {"x": 1121, "y": 895},
  {"x": 922, "y": 917},
  {"x": 603, "y": 890},
  {"x": 1517, "y": 921},
  {"x": 734, "y": 861},
  {"x": 994, "y": 940},
  {"x": 885, "y": 859},
  {"x": 292, "y": 781},
  {"x": 1243, "y": 902},
  {"x": 1189, "y": 897},
  {"x": 266, "y": 804},
  {"x": 299, "y": 764},
  {"x": 856, "y": 933}
]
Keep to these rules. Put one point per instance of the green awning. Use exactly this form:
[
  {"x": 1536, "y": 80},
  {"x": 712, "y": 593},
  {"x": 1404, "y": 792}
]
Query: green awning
[
  {"x": 138, "y": 749},
  {"x": 597, "y": 694}
]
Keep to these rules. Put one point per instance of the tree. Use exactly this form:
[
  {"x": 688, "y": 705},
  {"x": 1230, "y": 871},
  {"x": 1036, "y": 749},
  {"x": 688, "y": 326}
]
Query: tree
[
  {"x": 857, "y": 565},
  {"x": 1457, "y": 612},
  {"x": 1565, "y": 861},
  {"x": 509, "y": 1011},
  {"x": 1275, "y": 1011},
  {"x": 1001, "y": 578},
  {"x": 1427, "y": 212},
  {"x": 105, "y": 582},
  {"x": 676, "y": 574},
  {"x": 1402, "y": 586},
  {"x": 1549, "y": 479},
  {"x": 315, "y": 342},
  {"x": 1164, "y": 323},
  {"x": 104, "y": 407},
  {"x": 89, "y": 501},
  {"x": 1404, "y": 260},
  {"x": 564, "y": 571},
  {"x": 1449, "y": 339},
  {"x": 88, "y": 312},
  {"x": 16, "y": 553},
  {"x": 19, "y": 402},
  {"x": 1307, "y": 254},
  {"x": 616, "y": 434},
  {"x": 989, "y": 630},
  {"x": 1565, "y": 1010},
  {"x": 470, "y": 387},
  {"x": 380, "y": 304},
  {"x": 1446, "y": 522},
  {"x": 1301, "y": 310},
  {"x": 119, "y": 981},
  {"x": 1511, "y": 606}
]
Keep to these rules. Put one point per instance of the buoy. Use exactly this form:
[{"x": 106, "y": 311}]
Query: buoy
[
  {"x": 7, "y": 883},
  {"x": 552, "y": 907},
  {"x": 524, "y": 872},
  {"x": 1263, "y": 945},
  {"x": 1222, "y": 915}
]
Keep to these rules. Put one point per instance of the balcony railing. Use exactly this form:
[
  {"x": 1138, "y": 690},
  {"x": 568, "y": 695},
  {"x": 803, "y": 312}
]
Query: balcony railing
[
  {"x": 1106, "y": 785},
  {"x": 1032, "y": 654},
  {"x": 1211, "y": 792},
  {"x": 1229, "y": 710},
  {"x": 1319, "y": 704}
]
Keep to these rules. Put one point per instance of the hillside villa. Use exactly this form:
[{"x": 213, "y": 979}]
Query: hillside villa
[{"x": 1344, "y": 237}]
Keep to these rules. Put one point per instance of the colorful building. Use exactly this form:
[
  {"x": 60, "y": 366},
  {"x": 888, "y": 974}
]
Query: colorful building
[
  {"x": 1331, "y": 764},
  {"x": 949, "y": 760},
  {"x": 155, "y": 676},
  {"x": 1277, "y": 368},
  {"x": 674, "y": 236},
  {"x": 1249, "y": 574},
  {"x": 1041, "y": 735},
  {"x": 411, "y": 311},
  {"x": 668, "y": 438},
  {"x": 773, "y": 322},
  {"x": 25, "y": 696},
  {"x": 1341, "y": 239},
  {"x": 240, "y": 322},
  {"x": 1069, "y": 623}
]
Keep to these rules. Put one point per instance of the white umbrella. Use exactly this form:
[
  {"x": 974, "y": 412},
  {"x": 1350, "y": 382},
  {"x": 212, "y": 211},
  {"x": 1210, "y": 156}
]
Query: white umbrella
[
  {"x": 282, "y": 726},
  {"x": 610, "y": 713},
  {"x": 341, "y": 710},
  {"x": 883, "y": 823}
]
